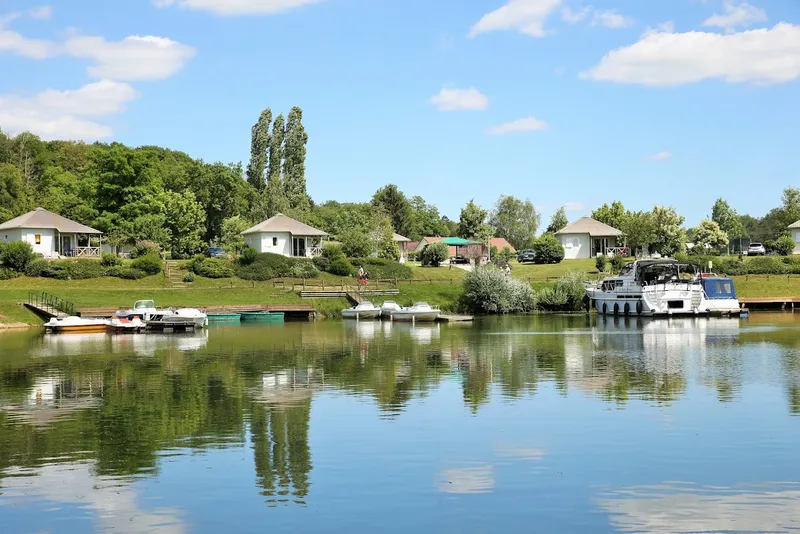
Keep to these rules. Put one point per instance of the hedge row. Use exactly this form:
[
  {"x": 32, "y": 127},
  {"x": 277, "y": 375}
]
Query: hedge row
[
  {"x": 754, "y": 265},
  {"x": 84, "y": 269}
]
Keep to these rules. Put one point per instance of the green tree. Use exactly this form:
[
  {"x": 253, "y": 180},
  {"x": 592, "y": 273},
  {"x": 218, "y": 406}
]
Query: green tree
[
  {"x": 708, "y": 235},
  {"x": 231, "y": 238},
  {"x": 790, "y": 207},
  {"x": 425, "y": 220},
  {"x": 356, "y": 243},
  {"x": 471, "y": 220},
  {"x": 516, "y": 220},
  {"x": 185, "y": 222},
  {"x": 221, "y": 192},
  {"x": 728, "y": 220},
  {"x": 669, "y": 237},
  {"x": 12, "y": 194},
  {"x": 259, "y": 145},
  {"x": 294, "y": 166},
  {"x": 276, "y": 149},
  {"x": 559, "y": 221},
  {"x": 394, "y": 203},
  {"x": 638, "y": 230},
  {"x": 613, "y": 215},
  {"x": 383, "y": 243},
  {"x": 548, "y": 249},
  {"x": 337, "y": 218},
  {"x": 435, "y": 254},
  {"x": 785, "y": 245}
]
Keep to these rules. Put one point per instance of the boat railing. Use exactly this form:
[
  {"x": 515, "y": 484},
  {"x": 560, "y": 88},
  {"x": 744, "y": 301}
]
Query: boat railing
[{"x": 50, "y": 303}]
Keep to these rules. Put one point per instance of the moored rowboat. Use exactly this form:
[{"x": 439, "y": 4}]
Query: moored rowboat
[{"x": 76, "y": 325}]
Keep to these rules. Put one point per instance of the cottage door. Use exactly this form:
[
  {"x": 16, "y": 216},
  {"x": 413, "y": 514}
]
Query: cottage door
[{"x": 299, "y": 247}]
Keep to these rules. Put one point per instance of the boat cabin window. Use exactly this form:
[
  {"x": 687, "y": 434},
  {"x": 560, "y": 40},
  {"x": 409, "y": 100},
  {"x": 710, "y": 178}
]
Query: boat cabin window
[
  {"x": 662, "y": 273},
  {"x": 627, "y": 270},
  {"x": 140, "y": 304},
  {"x": 719, "y": 288}
]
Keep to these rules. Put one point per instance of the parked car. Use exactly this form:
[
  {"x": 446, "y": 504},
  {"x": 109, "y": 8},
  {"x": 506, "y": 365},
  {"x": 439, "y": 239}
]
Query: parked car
[
  {"x": 756, "y": 249},
  {"x": 215, "y": 252},
  {"x": 526, "y": 256},
  {"x": 459, "y": 259}
]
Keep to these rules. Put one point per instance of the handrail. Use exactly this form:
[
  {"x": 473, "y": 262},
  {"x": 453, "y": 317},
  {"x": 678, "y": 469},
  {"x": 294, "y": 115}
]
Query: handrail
[{"x": 51, "y": 303}]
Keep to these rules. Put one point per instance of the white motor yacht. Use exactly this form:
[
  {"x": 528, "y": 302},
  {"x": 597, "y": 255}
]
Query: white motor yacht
[
  {"x": 199, "y": 318},
  {"x": 365, "y": 310},
  {"x": 662, "y": 287},
  {"x": 389, "y": 307},
  {"x": 419, "y": 312},
  {"x": 719, "y": 296},
  {"x": 145, "y": 310}
]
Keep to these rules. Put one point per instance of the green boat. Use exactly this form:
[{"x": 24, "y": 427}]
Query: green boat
[
  {"x": 224, "y": 317},
  {"x": 262, "y": 316}
]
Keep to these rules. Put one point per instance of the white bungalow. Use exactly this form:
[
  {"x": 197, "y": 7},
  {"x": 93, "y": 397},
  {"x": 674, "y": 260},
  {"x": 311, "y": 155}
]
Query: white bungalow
[
  {"x": 51, "y": 235},
  {"x": 588, "y": 238},
  {"x": 795, "y": 229},
  {"x": 402, "y": 244},
  {"x": 285, "y": 236}
]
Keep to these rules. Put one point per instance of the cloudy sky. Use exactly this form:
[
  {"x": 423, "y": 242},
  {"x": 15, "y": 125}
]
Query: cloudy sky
[{"x": 567, "y": 102}]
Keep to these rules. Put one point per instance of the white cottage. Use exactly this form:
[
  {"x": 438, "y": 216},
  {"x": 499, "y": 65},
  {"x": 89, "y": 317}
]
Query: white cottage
[
  {"x": 795, "y": 229},
  {"x": 285, "y": 236},
  {"x": 587, "y": 238},
  {"x": 51, "y": 235}
]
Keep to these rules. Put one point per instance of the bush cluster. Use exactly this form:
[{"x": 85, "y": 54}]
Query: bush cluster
[
  {"x": 488, "y": 290},
  {"x": 126, "y": 273},
  {"x": 267, "y": 266},
  {"x": 80, "y": 269},
  {"x": 754, "y": 265},
  {"x": 548, "y": 249},
  {"x": 8, "y": 274},
  {"x": 435, "y": 254},
  {"x": 149, "y": 263},
  {"x": 565, "y": 295},
  {"x": 145, "y": 248},
  {"x": 212, "y": 267},
  {"x": 16, "y": 255},
  {"x": 382, "y": 269},
  {"x": 110, "y": 260}
]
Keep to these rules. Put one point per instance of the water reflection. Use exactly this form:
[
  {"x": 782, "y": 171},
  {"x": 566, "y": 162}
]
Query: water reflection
[{"x": 111, "y": 407}]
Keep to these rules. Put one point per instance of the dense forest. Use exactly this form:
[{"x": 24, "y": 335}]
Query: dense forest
[{"x": 184, "y": 204}]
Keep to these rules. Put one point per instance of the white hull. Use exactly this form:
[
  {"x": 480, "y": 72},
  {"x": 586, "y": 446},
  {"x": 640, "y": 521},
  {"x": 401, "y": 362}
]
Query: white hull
[
  {"x": 415, "y": 316},
  {"x": 361, "y": 314}
]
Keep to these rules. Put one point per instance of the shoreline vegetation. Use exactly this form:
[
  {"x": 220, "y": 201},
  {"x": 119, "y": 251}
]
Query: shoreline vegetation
[{"x": 437, "y": 285}]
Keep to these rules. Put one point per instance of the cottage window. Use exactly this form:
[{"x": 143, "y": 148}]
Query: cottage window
[
  {"x": 274, "y": 241},
  {"x": 38, "y": 239}
]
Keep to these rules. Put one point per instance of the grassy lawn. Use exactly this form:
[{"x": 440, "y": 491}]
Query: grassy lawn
[
  {"x": 540, "y": 273},
  {"x": 767, "y": 286}
]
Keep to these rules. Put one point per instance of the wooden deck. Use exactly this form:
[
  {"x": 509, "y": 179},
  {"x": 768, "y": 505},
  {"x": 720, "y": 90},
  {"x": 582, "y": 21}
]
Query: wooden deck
[
  {"x": 293, "y": 311},
  {"x": 770, "y": 302},
  {"x": 456, "y": 318}
]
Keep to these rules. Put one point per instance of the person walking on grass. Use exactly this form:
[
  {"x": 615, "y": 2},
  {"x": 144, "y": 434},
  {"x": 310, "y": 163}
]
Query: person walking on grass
[{"x": 508, "y": 271}]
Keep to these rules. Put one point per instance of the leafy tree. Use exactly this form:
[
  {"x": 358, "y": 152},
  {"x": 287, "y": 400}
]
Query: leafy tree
[
  {"x": 425, "y": 220},
  {"x": 435, "y": 254},
  {"x": 638, "y": 229},
  {"x": 516, "y": 220},
  {"x": 294, "y": 165},
  {"x": 383, "y": 243},
  {"x": 791, "y": 206},
  {"x": 356, "y": 243},
  {"x": 394, "y": 203},
  {"x": 559, "y": 221},
  {"x": 12, "y": 193},
  {"x": 471, "y": 220},
  {"x": 669, "y": 237},
  {"x": 728, "y": 220},
  {"x": 276, "y": 149},
  {"x": 231, "y": 238},
  {"x": 221, "y": 192},
  {"x": 613, "y": 215},
  {"x": 16, "y": 255},
  {"x": 185, "y": 221},
  {"x": 709, "y": 235},
  {"x": 337, "y": 218},
  {"x": 547, "y": 249},
  {"x": 259, "y": 145}
]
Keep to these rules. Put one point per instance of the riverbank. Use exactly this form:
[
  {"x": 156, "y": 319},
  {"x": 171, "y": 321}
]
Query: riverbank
[{"x": 439, "y": 286}]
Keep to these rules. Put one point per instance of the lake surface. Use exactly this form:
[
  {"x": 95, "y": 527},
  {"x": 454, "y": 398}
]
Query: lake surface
[{"x": 551, "y": 424}]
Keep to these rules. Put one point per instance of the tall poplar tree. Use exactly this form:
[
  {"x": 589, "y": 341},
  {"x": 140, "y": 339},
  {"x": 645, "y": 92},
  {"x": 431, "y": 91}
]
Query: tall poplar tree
[
  {"x": 294, "y": 165},
  {"x": 259, "y": 145},
  {"x": 276, "y": 149}
]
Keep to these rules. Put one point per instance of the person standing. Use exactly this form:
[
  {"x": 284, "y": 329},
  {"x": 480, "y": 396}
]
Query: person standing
[{"x": 508, "y": 271}]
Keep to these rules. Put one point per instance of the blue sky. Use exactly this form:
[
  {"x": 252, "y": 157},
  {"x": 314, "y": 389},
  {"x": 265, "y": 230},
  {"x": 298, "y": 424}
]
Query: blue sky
[{"x": 565, "y": 102}]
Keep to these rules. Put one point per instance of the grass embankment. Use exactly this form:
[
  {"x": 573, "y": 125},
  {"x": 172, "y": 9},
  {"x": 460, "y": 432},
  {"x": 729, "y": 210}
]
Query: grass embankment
[{"x": 439, "y": 286}]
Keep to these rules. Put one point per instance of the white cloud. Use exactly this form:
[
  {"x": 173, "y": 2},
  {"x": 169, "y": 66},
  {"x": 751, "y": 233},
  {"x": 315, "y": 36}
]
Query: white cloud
[
  {"x": 743, "y": 15},
  {"x": 11, "y": 41},
  {"x": 611, "y": 19},
  {"x": 763, "y": 56},
  {"x": 238, "y": 7},
  {"x": 460, "y": 99},
  {"x": 524, "y": 16},
  {"x": 72, "y": 114},
  {"x": 666, "y": 27},
  {"x": 660, "y": 156},
  {"x": 574, "y": 17},
  {"x": 41, "y": 13},
  {"x": 133, "y": 58},
  {"x": 528, "y": 124},
  {"x": 573, "y": 206}
]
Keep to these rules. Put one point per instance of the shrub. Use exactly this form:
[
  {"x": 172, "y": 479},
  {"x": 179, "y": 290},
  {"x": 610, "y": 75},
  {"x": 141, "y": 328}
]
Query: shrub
[
  {"x": 341, "y": 267},
  {"x": 565, "y": 295},
  {"x": 618, "y": 262},
  {"x": 506, "y": 254},
  {"x": 126, "y": 273},
  {"x": 188, "y": 278},
  {"x": 548, "y": 249},
  {"x": 145, "y": 248},
  {"x": 248, "y": 256},
  {"x": 435, "y": 254},
  {"x": 83, "y": 269},
  {"x": 37, "y": 267},
  {"x": 322, "y": 263},
  {"x": 785, "y": 245},
  {"x": 149, "y": 263},
  {"x": 730, "y": 267},
  {"x": 383, "y": 269},
  {"x": 333, "y": 252},
  {"x": 266, "y": 266},
  {"x": 600, "y": 263},
  {"x": 488, "y": 290},
  {"x": 304, "y": 269},
  {"x": 110, "y": 260},
  {"x": 7, "y": 273},
  {"x": 766, "y": 265},
  {"x": 213, "y": 268},
  {"x": 413, "y": 256},
  {"x": 357, "y": 243},
  {"x": 17, "y": 255}
]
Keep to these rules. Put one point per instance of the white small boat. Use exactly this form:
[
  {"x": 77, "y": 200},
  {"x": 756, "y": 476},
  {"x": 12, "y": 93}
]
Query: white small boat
[
  {"x": 145, "y": 310},
  {"x": 419, "y": 312},
  {"x": 76, "y": 325},
  {"x": 199, "y": 318},
  {"x": 365, "y": 310},
  {"x": 389, "y": 307},
  {"x": 124, "y": 325}
]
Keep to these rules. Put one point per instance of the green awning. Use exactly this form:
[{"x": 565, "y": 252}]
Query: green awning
[{"x": 458, "y": 242}]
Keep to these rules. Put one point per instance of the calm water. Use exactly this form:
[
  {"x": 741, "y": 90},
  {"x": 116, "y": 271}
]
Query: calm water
[{"x": 537, "y": 424}]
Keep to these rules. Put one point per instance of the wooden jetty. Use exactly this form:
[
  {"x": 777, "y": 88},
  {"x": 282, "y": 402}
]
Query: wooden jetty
[
  {"x": 455, "y": 318},
  {"x": 290, "y": 311},
  {"x": 49, "y": 306},
  {"x": 171, "y": 326},
  {"x": 782, "y": 303}
]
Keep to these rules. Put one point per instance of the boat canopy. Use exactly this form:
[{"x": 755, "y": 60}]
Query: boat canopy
[
  {"x": 719, "y": 288},
  {"x": 144, "y": 304},
  {"x": 663, "y": 271}
]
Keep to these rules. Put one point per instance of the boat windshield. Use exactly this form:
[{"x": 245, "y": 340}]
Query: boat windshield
[
  {"x": 143, "y": 304},
  {"x": 627, "y": 270},
  {"x": 719, "y": 288},
  {"x": 662, "y": 273}
]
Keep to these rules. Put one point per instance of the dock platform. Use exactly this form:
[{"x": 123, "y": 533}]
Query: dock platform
[
  {"x": 782, "y": 303},
  {"x": 171, "y": 326},
  {"x": 455, "y": 318}
]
